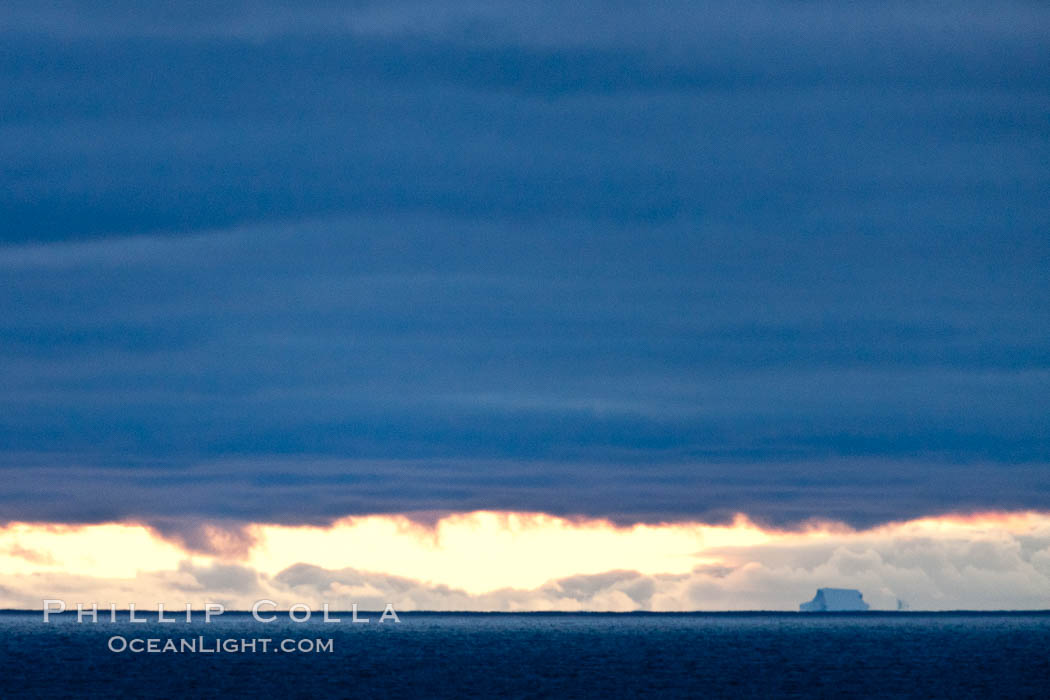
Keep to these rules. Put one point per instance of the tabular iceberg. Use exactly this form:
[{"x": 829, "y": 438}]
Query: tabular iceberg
[{"x": 835, "y": 600}]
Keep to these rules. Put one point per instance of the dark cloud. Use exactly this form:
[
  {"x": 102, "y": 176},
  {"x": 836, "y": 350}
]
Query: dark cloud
[
  {"x": 205, "y": 536},
  {"x": 275, "y": 261},
  {"x": 201, "y": 505}
]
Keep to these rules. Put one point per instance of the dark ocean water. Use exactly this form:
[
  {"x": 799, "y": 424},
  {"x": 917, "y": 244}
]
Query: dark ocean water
[{"x": 955, "y": 655}]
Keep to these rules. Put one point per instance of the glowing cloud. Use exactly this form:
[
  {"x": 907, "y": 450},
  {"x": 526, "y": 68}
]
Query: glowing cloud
[
  {"x": 485, "y": 551},
  {"x": 520, "y": 561}
]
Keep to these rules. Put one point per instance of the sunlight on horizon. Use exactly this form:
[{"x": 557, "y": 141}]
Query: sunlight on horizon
[{"x": 476, "y": 552}]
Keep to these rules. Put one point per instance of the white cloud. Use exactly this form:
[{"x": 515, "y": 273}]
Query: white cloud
[{"x": 986, "y": 562}]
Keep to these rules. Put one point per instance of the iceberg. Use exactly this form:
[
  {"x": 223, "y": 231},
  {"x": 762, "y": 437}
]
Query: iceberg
[{"x": 835, "y": 600}]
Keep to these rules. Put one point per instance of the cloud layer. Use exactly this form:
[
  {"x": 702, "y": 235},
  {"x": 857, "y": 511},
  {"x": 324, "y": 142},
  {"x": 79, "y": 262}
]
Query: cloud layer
[
  {"x": 284, "y": 262},
  {"x": 993, "y": 561}
]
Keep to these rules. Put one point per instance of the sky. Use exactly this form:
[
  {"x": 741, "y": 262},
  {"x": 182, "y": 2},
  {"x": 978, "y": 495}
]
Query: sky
[
  {"x": 276, "y": 264},
  {"x": 509, "y": 562}
]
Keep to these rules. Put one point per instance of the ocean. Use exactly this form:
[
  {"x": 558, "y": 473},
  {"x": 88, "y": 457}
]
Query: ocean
[{"x": 533, "y": 655}]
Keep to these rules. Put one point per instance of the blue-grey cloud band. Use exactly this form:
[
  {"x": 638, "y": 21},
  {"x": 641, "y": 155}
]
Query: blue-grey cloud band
[{"x": 782, "y": 258}]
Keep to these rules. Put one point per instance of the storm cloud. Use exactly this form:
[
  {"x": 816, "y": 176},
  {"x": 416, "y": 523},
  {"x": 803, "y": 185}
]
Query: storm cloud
[{"x": 287, "y": 262}]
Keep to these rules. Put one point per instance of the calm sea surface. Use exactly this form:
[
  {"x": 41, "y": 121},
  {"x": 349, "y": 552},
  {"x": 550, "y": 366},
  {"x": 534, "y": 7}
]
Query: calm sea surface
[{"x": 537, "y": 655}]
